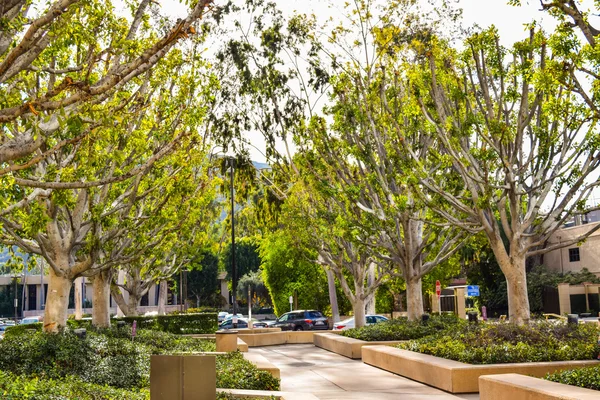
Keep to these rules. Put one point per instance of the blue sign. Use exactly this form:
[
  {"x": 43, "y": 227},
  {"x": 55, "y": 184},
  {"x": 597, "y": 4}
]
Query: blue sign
[{"x": 473, "y": 290}]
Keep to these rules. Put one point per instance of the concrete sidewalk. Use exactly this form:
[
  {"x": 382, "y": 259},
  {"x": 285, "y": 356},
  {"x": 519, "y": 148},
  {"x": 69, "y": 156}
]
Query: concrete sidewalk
[{"x": 306, "y": 368}]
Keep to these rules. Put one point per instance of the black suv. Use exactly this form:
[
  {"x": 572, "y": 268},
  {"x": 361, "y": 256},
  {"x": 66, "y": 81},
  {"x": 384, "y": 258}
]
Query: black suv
[{"x": 301, "y": 320}]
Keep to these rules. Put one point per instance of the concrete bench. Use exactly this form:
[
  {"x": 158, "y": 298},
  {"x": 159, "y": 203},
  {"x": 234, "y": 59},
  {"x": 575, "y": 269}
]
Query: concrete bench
[
  {"x": 263, "y": 364},
  {"x": 521, "y": 387}
]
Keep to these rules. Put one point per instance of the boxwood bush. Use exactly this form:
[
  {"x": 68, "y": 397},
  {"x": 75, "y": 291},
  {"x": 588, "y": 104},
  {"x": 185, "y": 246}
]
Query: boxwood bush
[
  {"x": 110, "y": 357},
  {"x": 402, "y": 329},
  {"x": 510, "y": 343},
  {"x": 18, "y": 329},
  {"x": 588, "y": 378},
  {"x": 177, "y": 323}
]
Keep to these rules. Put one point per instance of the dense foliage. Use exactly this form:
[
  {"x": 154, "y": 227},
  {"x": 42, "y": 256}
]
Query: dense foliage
[
  {"x": 511, "y": 343},
  {"x": 23, "y": 388},
  {"x": 588, "y": 378},
  {"x": 403, "y": 329},
  {"x": 177, "y": 323},
  {"x": 19, "y": 329},
  {"x": 110, "y": 357},
  {"x": 202, "y": 282}
]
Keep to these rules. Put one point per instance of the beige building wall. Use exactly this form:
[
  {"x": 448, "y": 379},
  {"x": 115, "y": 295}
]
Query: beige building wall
[{"x": 589, "y": 250}]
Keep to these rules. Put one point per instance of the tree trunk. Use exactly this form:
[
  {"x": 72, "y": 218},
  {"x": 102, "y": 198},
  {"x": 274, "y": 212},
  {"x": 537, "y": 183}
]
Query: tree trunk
[
  {"x": 119, "y": 298},
  {"x": 370, "y": 301},
  {"x": 358, "y": 307},
  {"x": 162, "y": 297},
  {"x": 335, "y": 312},
  {"x": 516, "y": 285},
  {"x": 57, "y": 303},
  {"x": 121, "y": 281},
  {"x": 101, "y": 305},
  {"x": 134, "y": 301},
  {"x": 78, "y": 298},
  {"x": 512, "y": 264},
  {"x": 414, "y": 298}
]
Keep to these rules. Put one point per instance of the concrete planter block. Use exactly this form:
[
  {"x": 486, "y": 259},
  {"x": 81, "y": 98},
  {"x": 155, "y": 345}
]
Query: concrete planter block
[
  {"x": 263, "y": 364},
  {"x": 278, "y": 337},
  {"x": 453, "y": 376},
  {"x": 265, "y": 394},
  {"x": 520, "y": 387},
  {"x": 345, "y": 346},
  {"x": 227, "y": 340},
  {"x": 179, "y": 377}
]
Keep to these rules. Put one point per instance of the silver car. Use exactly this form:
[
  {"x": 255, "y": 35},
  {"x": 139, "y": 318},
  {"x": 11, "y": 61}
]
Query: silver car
[{"x": 349, "y": 323}]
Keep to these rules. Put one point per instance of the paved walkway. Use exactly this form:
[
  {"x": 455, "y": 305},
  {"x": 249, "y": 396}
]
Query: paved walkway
[{"x": 307, "y": 368}]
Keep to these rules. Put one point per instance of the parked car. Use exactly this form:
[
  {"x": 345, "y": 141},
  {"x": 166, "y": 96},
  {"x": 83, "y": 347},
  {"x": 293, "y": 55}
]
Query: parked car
[
  {"x": 242, "y": 323},
  {"x": 222, "y": 315},
  {"x": 31, "y": 320},
  {"x": 349, "y": 323},
  {"x": 228, "y": 323},
  {"x": 301, "y": 320},
  {"x": 258, "y": 323},
  {"x": 3, "y": 330}
]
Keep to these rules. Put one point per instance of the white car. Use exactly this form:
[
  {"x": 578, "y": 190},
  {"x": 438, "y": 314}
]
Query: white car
[
  {"x": 31, "y": 320},
  {"x": 349, "y": 323},
  {"x": 222, "y": 315}
]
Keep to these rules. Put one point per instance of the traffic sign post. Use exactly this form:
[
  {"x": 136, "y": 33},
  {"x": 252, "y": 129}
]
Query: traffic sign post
[
  {"x": 473, "y": 291},
  {"x": 438, "y": 291},
  {"x": 291, "y": 302}
]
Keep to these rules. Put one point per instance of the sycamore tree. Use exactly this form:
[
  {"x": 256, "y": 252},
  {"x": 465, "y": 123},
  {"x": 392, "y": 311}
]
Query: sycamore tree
[
  {"x": 356, "y": 151},
  {"x": 84, "y": 224},
  {"x": 168, "y": 232},
  {"x": 514, "y": 127},
  {"x": 59, "y": 59}
]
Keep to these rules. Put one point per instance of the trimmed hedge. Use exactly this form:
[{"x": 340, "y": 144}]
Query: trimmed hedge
[
  {"x": 510, "y": 343},
  {"x": 403, "y": 329},
  {"x": 588, "y": 378},
  {"x": 110, "y": 357},
  {"x": 177, "y": 323},
  {"x": 19, "y": 329}
]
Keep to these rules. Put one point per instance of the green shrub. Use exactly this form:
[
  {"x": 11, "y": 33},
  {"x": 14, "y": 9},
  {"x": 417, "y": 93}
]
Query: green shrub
[
  {"x": 79, "y": 323},
  {"x": 239, "y": 373},
  {"x": 177, "y": 323},
  {"x": 510, "y": 343},
  {"x": 588, "y": 378},
  {"x": 110, "y": 357},
  {"x": 19, "y": 329},
  {"x": 402, "y": 329},
  {"x": 15, "y": 387}
]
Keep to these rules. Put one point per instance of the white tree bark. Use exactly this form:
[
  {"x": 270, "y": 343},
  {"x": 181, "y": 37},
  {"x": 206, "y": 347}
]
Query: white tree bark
[
  {"x": 370, "y": 301},
  {"x": 101, "y": 304},
  {"x": 414, "y": 298},
  {"x": 121, "y": 281},
  {"x": 55, "y": 315},
  {"x": 78, "y": 298},
  {"x": 358, "y": 308},
  {"x": 335, "y": 312},
  {"x": 162, "y": 296}
]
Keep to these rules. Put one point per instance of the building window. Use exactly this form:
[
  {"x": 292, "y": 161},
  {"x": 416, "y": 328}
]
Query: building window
[{"x": 574, "y": 254}]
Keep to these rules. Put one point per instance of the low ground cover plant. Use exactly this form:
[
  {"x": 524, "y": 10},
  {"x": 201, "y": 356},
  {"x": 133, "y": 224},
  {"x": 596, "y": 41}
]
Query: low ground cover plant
[
  {"x": 110, "y": 358},
  {"x": 403, "y": 329},
  {"x": 16, "y": 387},
  {"x": 588, "y": 378},
  {"x": 509, "y": 343}
]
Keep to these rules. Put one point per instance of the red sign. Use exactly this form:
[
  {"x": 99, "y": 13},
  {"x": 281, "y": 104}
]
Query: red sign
[{"x": 438, "y": 288}]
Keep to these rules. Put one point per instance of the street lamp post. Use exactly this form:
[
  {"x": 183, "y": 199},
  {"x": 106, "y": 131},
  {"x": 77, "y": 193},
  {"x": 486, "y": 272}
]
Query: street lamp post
[{"x": 233, "y": 269}]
